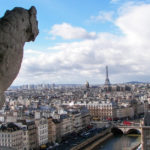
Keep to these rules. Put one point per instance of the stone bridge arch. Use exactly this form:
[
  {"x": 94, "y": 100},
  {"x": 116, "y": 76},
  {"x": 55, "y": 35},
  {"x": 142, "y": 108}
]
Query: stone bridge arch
[
  {"x": 125, "y": 130},
  {"x": 133, "y": 131},
  {"x": 116, "y": 130}
]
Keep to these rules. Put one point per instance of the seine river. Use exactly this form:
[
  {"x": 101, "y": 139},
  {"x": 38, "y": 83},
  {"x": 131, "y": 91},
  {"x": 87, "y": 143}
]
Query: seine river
[{"x": 123, "y": 142}]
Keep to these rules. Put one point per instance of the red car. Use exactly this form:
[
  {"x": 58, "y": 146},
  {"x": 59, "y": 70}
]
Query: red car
[{"x": 127, "y": 123}]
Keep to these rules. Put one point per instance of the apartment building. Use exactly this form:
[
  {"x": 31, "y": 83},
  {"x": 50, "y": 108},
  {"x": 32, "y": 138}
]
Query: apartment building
[
  {"x": 42, "y": 131},
  {"x": 57, "y": 123},
  {"x": 11, "y": 136},
  {"x": 31, "y": 133},
  {"x": 51, "y": 131},
  {"x": 124, "y": 112},
  {"x": 145, "y": 135},
  {"x": 102, "y": 110},
  {"x": 66, "y": 125},
  {"x": 85, "y": 117},
  {"x": 76, "y": 121}
]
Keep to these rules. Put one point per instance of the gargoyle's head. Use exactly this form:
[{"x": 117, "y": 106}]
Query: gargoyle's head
[{"x": 23, "y": 22}]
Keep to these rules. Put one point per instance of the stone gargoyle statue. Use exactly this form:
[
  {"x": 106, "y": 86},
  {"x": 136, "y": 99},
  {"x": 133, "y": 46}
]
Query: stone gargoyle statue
[{"x": 16, "y": 27}]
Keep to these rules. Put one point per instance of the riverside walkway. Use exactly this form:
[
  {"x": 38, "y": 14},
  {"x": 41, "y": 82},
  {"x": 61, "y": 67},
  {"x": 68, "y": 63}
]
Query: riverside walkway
[{"x": 90, "y": 143}]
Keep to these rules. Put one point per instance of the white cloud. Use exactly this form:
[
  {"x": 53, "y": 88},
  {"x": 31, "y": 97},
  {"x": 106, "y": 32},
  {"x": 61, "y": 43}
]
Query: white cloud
[
  {"x": 135, "y": 23},
  {"x": 128, "y": 56},
  {"x": 103, "y": 16},
  {"x": 66, "y": 31}
]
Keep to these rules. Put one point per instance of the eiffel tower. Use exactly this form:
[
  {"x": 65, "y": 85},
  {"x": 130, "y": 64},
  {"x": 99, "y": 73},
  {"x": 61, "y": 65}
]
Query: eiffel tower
[{"x": 107, "y": 82}]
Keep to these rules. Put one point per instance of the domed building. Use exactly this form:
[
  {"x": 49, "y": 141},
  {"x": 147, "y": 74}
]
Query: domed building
[
  {"x": 87, "y": 89},
  {"x": 87, "y": 85}
]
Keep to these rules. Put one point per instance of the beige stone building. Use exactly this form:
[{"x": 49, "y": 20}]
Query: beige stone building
[
  {"x": 51, "y": 131},
  {"x": 86, "y": 118},
  {"x": 66, "y": 125},
  {"x": 31, "y": 133},
  {"x": 11, "y": 136},
  {"x": 102, "y": 110},
  {"x": 76, "y": 121},
  {"x": 25, "y": 136},
  {"x": 58, "y": 129},
  {"x": 123, "y": 112},
  {"x": 42, "y": 131},
  {"x": 145, "y": 137},
  {"x": 140, "y": 108}
]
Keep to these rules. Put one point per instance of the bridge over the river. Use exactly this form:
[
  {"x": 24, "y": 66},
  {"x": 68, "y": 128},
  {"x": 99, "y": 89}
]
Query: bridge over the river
[{"x": 126, "y": 129}]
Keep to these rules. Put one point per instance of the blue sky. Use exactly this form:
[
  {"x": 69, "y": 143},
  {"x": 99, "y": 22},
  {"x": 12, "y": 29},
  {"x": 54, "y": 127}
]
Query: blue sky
[
  {"x": 78, "y": 38},
  {"x": 74, "y": 12}
]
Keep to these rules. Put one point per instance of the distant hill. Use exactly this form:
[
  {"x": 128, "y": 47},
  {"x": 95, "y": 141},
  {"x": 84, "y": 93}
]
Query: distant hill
[{"x": 135, "y": 82}]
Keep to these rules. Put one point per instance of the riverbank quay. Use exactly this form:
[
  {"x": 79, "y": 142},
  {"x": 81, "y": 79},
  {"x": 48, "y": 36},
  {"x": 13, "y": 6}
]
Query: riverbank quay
[
  {"x": 94, "y": 139},
  {"x": 97, "y": 143}
]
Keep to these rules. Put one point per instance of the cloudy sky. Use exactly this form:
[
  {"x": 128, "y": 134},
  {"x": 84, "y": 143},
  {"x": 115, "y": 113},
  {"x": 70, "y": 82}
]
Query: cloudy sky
[{"x": 78, "y": 38}]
